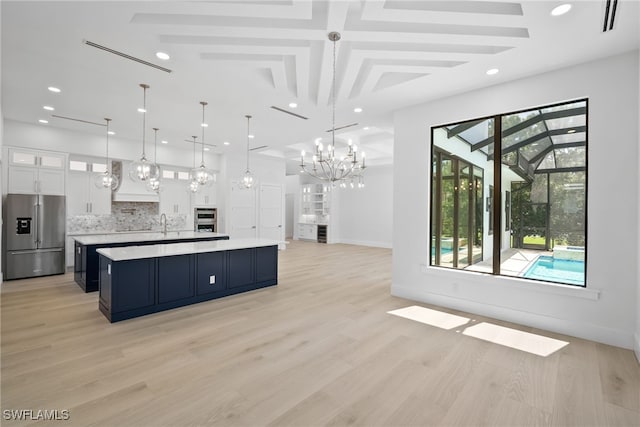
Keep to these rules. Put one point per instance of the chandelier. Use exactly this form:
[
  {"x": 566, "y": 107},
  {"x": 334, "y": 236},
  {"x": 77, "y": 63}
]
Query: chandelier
[
  {"x": 107, "y": 179},
  {"x": 201, "y": 174},
  {"x": 144, "y": 170},
  {"x": 248, "y": 180},
  {"x": 325, "y": 164}
]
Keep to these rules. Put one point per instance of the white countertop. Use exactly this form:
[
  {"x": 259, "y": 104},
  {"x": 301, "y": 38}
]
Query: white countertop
[
  {"x": 101, "y": 239},
  {"x": 171, "y": 249}
]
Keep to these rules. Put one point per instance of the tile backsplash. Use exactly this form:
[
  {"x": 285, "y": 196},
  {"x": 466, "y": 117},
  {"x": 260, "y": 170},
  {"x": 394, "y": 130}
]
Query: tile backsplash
[{"x": 125, "y": 216}]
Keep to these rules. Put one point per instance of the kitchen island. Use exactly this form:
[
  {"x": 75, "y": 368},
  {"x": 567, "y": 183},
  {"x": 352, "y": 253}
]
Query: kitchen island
[
  {"x": 139, "y": 280},
  {"x": 86, "y": 259}
]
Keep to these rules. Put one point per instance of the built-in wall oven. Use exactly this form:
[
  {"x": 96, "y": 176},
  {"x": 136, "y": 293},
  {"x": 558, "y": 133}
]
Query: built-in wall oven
[{"x": 205, "y": 219}]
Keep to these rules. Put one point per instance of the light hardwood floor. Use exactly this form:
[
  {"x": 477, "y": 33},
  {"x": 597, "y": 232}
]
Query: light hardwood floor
[{"x": 318, "y": 349}]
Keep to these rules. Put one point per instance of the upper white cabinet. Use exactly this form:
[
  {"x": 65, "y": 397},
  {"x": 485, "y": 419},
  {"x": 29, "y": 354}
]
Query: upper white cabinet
[
  {"x": 206, "y": 196},
  {"x": 84, "y": 197},
  {"x": 36, "y": 172},
  {"x": 175, "y": 197}
]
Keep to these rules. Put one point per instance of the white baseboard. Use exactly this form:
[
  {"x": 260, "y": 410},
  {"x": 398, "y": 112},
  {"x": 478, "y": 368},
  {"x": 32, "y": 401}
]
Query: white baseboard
[
  {"x": 569, "y": 327},
  {"x": 636, "y": 347},
  {"x": 386, "y": 245}
]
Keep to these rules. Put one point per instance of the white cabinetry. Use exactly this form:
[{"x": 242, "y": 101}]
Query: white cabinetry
[
  {"x": 36, "y": 172},
  {"x": 84, "y": 197},
  {"x": 308, "y": 231},
  {"x": 175, "y": 198},
  {"x": 205, "y": 197}
]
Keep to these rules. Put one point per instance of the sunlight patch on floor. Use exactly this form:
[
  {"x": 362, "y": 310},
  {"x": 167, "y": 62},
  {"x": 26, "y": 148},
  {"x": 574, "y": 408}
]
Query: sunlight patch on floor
[
  {"x": 430, "y": 317},
  {"x": 513, "y": 338}
]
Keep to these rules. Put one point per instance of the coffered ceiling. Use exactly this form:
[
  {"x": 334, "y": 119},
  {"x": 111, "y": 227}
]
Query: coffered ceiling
[{"x": 245, "y": 57}]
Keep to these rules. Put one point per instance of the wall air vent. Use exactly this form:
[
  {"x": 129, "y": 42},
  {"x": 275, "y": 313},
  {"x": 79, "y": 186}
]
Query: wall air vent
[
  {"x": 342, "y": 127},
  {"x": 610, "y": 9},
  {"x": 77, "y": 120},
  {"x": 124, "y": 55},
  {"x": 282, "y": 110}
]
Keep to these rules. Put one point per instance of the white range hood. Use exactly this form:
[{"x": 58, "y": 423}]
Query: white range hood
[{"x": 132, "y": 191}]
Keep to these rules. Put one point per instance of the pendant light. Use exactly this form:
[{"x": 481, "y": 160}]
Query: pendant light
[
  {"x": 194, "y": 186},
  {"x": 201, "y": 174},
  {"x": 248, "y": 179},
  {"x": 106, "y": 179},
  {"x": 153, "y": 184},
  {"x": 143, "y": 170}
]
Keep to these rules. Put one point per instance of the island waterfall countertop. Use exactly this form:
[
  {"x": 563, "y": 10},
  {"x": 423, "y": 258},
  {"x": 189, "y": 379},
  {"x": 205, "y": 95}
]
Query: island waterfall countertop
[
  {"x": 102, "y": 239},
  {"x": 172, "y": 249}
]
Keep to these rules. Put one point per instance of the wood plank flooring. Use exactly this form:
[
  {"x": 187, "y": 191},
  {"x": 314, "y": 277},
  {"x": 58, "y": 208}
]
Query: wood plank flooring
[{"x": 318, "y": 349}]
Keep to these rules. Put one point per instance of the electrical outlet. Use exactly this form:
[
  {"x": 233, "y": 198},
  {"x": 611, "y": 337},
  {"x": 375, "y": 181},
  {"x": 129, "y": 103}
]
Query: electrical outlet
[{"x": 212, "y": 280}]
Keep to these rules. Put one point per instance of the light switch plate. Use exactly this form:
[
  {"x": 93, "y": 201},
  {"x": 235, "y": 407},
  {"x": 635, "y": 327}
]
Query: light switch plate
[{"x": 212, "y": 280}]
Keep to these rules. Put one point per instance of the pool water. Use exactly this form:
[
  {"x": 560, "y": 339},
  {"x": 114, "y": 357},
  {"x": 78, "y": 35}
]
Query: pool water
[{"x": 557, "y": 270}]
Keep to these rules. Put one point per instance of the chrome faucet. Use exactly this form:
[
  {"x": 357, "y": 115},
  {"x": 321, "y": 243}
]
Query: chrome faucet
[{"x": 163, "y": 224}]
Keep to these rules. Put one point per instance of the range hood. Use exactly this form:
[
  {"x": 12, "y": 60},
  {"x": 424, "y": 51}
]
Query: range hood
[{"x": 129, "y": 190}]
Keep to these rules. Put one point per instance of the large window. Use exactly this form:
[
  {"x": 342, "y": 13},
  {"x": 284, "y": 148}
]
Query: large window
[{"x": 524, "y": 216}]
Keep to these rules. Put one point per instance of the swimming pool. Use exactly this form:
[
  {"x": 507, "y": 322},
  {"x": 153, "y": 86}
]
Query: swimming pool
[{"x": 557, "y": 270}]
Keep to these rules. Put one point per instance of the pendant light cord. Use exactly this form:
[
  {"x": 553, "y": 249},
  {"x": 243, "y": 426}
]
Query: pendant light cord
[
  {"x": 155, "y": 145},
  {"x": 248, "y": 133},
  {"x": 144, "y": 116},
  {"x": 203, "y": 126},
  {"x": 107, "y": 159},
  {"x": 333, "y": 117},
  {"x": 194, "y": 151}
]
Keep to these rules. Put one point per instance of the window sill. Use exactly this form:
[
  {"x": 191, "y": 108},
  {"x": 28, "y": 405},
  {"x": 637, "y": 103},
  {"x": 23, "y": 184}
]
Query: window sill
[{"x": 518, "y": 283}]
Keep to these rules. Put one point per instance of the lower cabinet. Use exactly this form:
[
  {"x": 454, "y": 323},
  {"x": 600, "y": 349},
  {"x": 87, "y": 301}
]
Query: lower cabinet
[
  {"x": 133, "y": 288},
  {"x": 172, "y": 272}
]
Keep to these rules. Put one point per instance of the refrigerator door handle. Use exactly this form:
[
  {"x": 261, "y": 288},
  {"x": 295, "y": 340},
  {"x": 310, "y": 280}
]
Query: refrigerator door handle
[
  {"x": 40, "y": 222},
  {"x": 35, "y": 225}
]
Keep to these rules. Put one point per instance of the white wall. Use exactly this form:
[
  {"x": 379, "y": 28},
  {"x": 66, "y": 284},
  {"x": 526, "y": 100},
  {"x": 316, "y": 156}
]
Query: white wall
[
  {"x": 606, "y": 310},
  {"x": 365, "y": 215}
]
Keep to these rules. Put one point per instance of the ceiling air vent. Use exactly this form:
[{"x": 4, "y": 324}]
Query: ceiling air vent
[
  {"x": 77, "y": 120},
  {"x": 282, "y": 110},
  {"x": 124, "y": 55},
  {"x": 342, "y": 127},
  {"x": 610, "y": 9}
]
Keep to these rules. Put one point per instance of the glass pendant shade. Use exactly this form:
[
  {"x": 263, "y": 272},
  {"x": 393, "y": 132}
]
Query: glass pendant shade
[
  {"x": 248, "y": 180},
  {"x": 203, "y": 176},
  {"x": 143, "y": 169},
  {"x": 194, "y": 186},
  {"x": 106, "y": 179},
  {"x": 153, "y": 183}
]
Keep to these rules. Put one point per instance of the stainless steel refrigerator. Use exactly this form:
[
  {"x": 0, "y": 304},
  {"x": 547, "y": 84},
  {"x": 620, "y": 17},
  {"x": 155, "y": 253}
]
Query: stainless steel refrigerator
[{"x": 34, "y": 235}]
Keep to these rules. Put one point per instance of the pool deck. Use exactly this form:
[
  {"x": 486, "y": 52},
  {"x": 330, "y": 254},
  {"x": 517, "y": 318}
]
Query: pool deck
[{"x": 514, "y": 261}]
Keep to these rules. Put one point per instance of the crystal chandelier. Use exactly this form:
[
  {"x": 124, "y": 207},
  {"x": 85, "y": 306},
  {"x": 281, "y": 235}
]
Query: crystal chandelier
[
  {"x": 143, "y": 170},
  {"x": 201, "y": 174},
  {"x": 326, "y": 165},
  {"x": 107, "y": 179},
  {"x": 248, "y": 179},
  {"x": 153, "y": 184},
  {"x": 194, "y": 185}
]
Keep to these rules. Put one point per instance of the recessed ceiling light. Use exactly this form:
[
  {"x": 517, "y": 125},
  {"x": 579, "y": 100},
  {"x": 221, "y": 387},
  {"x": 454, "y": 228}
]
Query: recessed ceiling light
[
  {"x": 206, "y": 148},
  {"x": 561, "y": 10},
  {"x": 111, "y": 132},
  {"x": 357, "y": 110},
  {"x": 164, "y": 142},
  {"x": 204, "y": 125},
  {"x": 293, "y": 105},
  {"x": 43, "y": 121},
  {"x": 226, "y": 143},
  {"x": 48, "y": 108},
  {"x": 163, "y": 56},
  {"x": 251, "y": 136},
  {"x": 492, "y": 71},
  {"x": 141, "y": 110},
  {"x": 366, "y": 128},
  {"x": 54, "y": 89}
]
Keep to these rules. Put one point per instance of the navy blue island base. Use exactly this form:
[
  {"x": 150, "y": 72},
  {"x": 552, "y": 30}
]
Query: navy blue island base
[{"x": 176, "y": 275}]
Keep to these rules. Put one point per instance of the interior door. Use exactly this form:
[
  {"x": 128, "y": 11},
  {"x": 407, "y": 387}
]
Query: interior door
[
  {"x": 271, "y": 217},
  {"x": 243, "y": 212}
]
